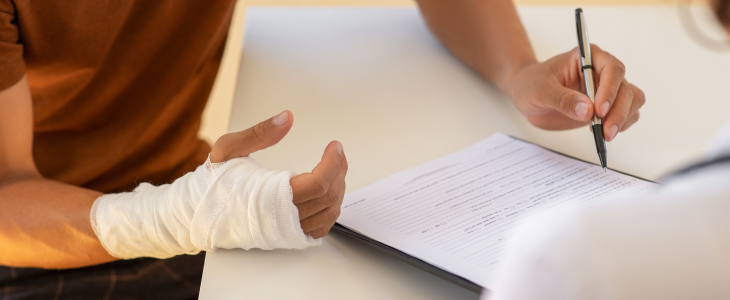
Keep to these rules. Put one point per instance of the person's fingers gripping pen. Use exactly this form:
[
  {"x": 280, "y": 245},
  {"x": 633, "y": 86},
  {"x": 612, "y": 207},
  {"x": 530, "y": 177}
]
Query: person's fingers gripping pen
[
  {"x": 634, "y": 114},
  {"x": 571, "y": 103},
  {"x": 617, "y": 101}
]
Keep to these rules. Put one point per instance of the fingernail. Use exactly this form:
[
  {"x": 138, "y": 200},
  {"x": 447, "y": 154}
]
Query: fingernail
[
  {"x": 281, "y": 118},
  {"x": 612, "y": 132},
  {"x": 604, "y": 108},
  {"x": 339, "y": 148},
  {"x": 581, "y": 110}
]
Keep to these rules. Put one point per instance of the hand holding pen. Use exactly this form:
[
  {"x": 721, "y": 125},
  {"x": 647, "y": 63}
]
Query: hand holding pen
[{"x": 551, "y": 94}]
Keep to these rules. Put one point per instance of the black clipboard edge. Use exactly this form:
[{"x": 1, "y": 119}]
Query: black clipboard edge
[
  {"x": 407, "y": 258},
  {"x": 418, "y": 263},
  {"x": 585, "y": 161}
]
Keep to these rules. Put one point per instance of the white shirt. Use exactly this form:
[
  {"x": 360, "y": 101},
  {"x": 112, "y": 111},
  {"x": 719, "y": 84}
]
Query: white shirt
[{"x": 671, "y": 244}]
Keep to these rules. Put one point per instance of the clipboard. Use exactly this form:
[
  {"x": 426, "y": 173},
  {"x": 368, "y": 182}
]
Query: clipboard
[
  {"x": 407, "y": 258},
  {"x": 423, "y": 265}
]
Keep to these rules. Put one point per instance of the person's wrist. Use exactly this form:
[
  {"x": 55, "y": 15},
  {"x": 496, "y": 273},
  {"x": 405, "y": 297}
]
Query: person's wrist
[{"x": 511, "y": 78}]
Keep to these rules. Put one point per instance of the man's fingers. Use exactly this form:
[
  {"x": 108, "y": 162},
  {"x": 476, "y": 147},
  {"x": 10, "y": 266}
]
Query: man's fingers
[
  {"x": 609, "y": 72},
  {"x": 614, "y": 121},
  {"x": 636, "y": 104},
  {"x": 308, "y": 186},
  {"x": 322, "y": 219},
  {"x": 258, "y": 137},
  {"x": 320, "y": 232},
  {"x": 334, "y": 195},
  {"x": 633, "y": 119},
  {"x": 571, "y": 103},
  {"x": 319, "y": 215},
  {"x": 311, "y": 207}
]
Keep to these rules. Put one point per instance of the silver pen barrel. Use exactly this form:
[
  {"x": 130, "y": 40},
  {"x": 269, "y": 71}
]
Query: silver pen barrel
[
  {"x": 586, "y": 62},
  {"x": 590, "y": 85}
]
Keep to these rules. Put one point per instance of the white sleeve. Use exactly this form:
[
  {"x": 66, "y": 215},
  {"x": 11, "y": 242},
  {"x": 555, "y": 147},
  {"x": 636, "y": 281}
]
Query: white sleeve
[
  {"x": 236, "y": 204},
  {"x": 548, "y": 260}
]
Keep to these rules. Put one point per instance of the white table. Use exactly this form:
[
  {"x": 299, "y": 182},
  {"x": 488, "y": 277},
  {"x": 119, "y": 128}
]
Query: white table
[{"x": 376, "y": 80}]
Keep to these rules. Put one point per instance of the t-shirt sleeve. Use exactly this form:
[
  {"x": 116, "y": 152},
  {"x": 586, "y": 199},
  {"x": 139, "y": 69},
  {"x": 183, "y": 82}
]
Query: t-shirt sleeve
[{"x": 12, "y": 66}]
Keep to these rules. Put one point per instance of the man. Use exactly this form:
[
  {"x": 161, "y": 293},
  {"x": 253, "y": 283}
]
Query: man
[
  {"x": 100, "y": 105},
  {"x": 673, "y": 243}
]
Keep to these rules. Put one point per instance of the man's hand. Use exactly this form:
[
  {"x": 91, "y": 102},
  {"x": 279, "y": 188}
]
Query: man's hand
[
  {"x": 488, "y": 36},
  {"x": 552, "y": 94},
  {"x": 318, "y": 195}
]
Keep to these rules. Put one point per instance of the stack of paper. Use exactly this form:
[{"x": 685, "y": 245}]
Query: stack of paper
[{"x": 458, "y": 211}]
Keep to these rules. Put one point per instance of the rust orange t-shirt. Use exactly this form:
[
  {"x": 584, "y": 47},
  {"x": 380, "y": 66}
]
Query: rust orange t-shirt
[{"x": 118, "y": 86}]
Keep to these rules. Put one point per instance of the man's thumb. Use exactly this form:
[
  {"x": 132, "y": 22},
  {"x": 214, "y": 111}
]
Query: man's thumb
[
  {"x": 571, "y": 103},
  {"x": 261, "y": 136}
]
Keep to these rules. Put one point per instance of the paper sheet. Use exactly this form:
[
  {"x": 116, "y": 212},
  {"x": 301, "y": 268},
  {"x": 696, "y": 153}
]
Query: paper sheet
[{"x": 457, "y": 212}]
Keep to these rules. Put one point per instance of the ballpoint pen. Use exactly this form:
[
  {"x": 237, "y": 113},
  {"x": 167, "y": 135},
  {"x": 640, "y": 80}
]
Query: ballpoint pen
[{"x": 586, "y": 62}]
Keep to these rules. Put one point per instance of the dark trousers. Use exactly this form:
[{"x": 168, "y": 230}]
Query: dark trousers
[{"x": 142, "y": 278}]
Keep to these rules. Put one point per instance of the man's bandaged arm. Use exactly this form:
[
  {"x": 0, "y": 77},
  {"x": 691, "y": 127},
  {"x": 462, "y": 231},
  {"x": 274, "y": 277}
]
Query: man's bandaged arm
[{"x": 236, "y": 204}]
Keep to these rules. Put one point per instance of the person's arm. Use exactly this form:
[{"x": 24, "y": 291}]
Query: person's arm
[
  {"x": 488, "y": 36},
  {"x": 47, "y": 224},
  {"x": 43, "y": 223}
]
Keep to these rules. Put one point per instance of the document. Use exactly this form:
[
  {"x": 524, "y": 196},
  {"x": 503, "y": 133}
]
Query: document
[{"x": 457, "y": 212}]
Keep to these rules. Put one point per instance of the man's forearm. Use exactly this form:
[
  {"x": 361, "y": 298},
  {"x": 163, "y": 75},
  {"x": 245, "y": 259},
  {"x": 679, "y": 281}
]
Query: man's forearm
[
  {"x": 486, "y": 35},
  {"x": 45, "y": 224}
]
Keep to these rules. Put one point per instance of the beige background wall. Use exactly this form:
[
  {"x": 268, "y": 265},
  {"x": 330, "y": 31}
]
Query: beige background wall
[{"x": 216, "y": 114}]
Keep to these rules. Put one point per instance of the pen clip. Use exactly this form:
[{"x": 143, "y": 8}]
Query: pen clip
[{"x": 579, "y": 27}]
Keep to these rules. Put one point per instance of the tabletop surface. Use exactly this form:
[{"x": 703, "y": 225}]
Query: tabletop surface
[{"x": 377, "y": 81}]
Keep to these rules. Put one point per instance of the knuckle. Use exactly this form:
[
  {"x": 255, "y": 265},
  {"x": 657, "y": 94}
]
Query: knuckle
[
  {"x": 630, "y": 123},
  {"x": 565, "y": 101},
  {"x": 573, "y": 54},
  {"x": 620, "y": 67},
  {"x": 620, "y": 120},
  {"x": 613, "y": 91},
  {"x": 319, "y": 187},
  {"x": 341, "y": 195},
  {"x": 628, "y": 91},
  {"x": 640, "y": 97},
  {"x": 332, "y": 198},
  {"x": 332, "y": 214},
  {"x": 259, "y": 132},
  {"x": 247, "y": 136}
]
